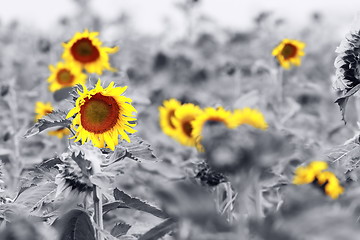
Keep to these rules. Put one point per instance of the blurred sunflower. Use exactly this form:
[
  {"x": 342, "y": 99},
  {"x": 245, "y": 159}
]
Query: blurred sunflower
[
  {"x": 85, "y": 50},
  {"x": 314, "y": 173},
  {"x": 288, "y": 53},
  {"x": 250, "y": 117},
  {"x": 102, "y": 114},
  {"x": 212, "y": 116},
  {"x": 184, "y": 115},
  {"x": 60, "y": 133},
  {"x": 65, "y": 75},
  {"x": 42, "y": 109},
  {"x": 166, "y": 115}
]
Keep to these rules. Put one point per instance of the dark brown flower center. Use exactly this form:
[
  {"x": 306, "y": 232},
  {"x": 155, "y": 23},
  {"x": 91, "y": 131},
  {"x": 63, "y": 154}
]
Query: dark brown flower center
[
  {"x": 99, "y": 113},
  {"x": 187, "y": 127},
  {"x": 289, "y": 51},
  {"x": 84, "y": 51},
  {"x": 64, "y": 77}
]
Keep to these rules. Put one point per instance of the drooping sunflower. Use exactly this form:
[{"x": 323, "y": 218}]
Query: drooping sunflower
[
  {"x": 42, "y": 109},
  {"x": 250, "y": 117},
  {"x": 213, "y": 115},
  {"x": 325, "y": 180},
  {"x": 289, "y": 53},
  {"x": 86, "y": 50},
  {"x": 184, "y": 115},
  {"x": 102, "y": 114},
  {"x": 65, "y": 75},
  {"x": 166, "y": 115}
]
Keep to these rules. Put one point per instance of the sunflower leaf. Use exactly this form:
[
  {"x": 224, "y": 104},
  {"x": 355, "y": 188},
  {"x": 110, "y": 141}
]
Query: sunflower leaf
[
  {"x": 120, "y": 229},
  {"x": 137, "y": 149},
  {"x": 54, "y": 119},
  {"x": 342, "y": 101},
  {"x": 160, "y": 230},
  {"x": 137, "y": 204}
]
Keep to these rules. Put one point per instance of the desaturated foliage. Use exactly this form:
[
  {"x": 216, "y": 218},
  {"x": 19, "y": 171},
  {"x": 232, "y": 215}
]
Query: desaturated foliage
[{"x": 112, "y": 134}]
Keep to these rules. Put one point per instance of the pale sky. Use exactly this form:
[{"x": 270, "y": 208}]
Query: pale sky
[{"x": 148, "y": 15}]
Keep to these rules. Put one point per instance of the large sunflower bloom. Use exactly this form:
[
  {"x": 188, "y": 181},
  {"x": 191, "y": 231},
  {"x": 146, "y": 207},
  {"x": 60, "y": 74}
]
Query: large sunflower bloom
[
  {"x": 65, "y": 75},
  {"x": 250, "y": 117},
  {"x": 184, "y": 115},
  {"x": 288, "y": 53},
  {"x": 166, "y": 115},
  {"x": 216, "y": 115},
  {"x": 85, "y": 50},
  {"x": 102, "y": 114},
  {"x": 42, "y": 109}
]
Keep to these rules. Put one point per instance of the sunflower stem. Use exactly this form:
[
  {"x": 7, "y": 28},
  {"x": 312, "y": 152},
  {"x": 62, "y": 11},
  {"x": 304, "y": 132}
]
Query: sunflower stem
[
  {"x": 97, "y": 197},
  {"x": 281, "y": 83}
]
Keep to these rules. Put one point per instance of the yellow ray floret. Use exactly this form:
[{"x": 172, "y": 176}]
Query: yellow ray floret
[
  {"x": 214, "y": 115},
  {"x": 289, "y": 52},
  {"x": 184, "y": 115},
  {"x": 42, "y": 109},
  {"x": 86, "y": 51},
  {"x": 250, "y": 117},
  {"x": 314, "y": 173},
  {"x": 166, "y": 114},
  {"x": 65, "y": 75},
  {"x": 102, "y": 114}
]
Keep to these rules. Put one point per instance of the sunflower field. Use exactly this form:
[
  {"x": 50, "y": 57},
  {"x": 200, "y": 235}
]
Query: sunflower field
[{"x": 217, "y": 134}]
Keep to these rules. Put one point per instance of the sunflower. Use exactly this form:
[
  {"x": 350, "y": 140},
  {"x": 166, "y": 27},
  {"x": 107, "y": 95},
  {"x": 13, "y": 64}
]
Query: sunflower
[
  {"x": 65, "y": 75},
  {"x": 250, "y": 117},
  {"x": 184, "y": 115},
  {"x": 325, "y": 180},
  {"x": 102, "y": 114},
  {"x": 166, "y": 115},
  {"x": 60, "y": 133},
  {"x": 85, "y": 50},
  {"x": 42, "y": 109},
  {"x": 210, "y": 115},
  {"x": 288, "y": 53}
]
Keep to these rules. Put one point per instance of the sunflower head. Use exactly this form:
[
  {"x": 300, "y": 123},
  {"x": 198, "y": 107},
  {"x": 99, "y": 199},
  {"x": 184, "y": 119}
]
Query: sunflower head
[
  {"x": 307, "y": 174},
  {"x": 210, "y": 116},
  {"x": 102, "y": 114},
  {"x": 182, "y": 121},
  {"x": 250, "y": 117},
  {"x": 166, "y": 115},
  {"x": 288, "y": 53},
  {"x": 42, "y": 109},
  {"x": 65, "y": 75},
  {"x": 86, "y": 50}
]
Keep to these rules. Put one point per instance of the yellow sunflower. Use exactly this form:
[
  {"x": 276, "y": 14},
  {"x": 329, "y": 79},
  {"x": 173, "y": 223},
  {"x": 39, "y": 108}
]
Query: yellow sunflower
[
  {"x": 65, "y": 75},
  {"x": 60, "y": 133},
  {"x": 331, "y": 182},
  {"x": 42, "y": 109},
  {"x": 250, "y": 117},
  {"x": 288, "y": 53},
  {"x": 166, "y": 115},
  {"x": 307, "y": 174},
  {"x": 85, "y": 50},
  {"x": 184, "y": 115},
  {"x": 210, "y": 115},
  {"x": 102, "y": 114}
]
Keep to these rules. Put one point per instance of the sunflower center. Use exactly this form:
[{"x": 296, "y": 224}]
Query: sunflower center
[
  {"x": 171, "y": 114},
  {"x": 187, "y": 128},
  {"x": 289, "y": 51},
  {"x": 99, "y": 113},
  {"x": 84, "y": 51},
  {"x": 64, "y": 77}
]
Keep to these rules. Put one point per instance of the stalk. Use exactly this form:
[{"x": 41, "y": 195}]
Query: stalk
[{"x": 98, "y": 213}]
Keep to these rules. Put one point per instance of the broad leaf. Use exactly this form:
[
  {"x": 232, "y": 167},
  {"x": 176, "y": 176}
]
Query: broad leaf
[
  {"x": 113, "y": 205},
  {"x": 75, "y": 225},
  {"x": 137, "y": 204},
  {"x": 34, "y": 197},
  {"x": 342, "y": 101},
  {"x": 160, "y": 230},
  {"x": 137, "y": 149},
  {"x": 54, "y": 119},
  {"x": 120, "y": 229}
]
